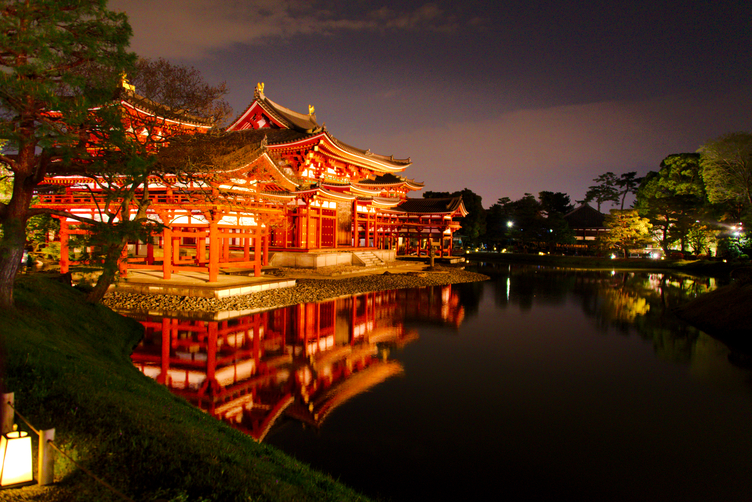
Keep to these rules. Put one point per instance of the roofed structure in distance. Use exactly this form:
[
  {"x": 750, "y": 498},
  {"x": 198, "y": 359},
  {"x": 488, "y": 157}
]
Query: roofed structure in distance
[
  {"x": 448, "y": 205},
  {"x": 585, "y": 216}
]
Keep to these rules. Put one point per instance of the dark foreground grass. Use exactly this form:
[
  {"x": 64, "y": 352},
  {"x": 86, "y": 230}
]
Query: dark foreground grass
[{"x": 68, "y": 363}]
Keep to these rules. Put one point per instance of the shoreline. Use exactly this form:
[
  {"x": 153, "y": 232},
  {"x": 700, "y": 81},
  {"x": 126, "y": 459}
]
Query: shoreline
[{"x": 310, "y": 287}]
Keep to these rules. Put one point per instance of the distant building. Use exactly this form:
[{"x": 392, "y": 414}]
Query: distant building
[{"x": 586, "y": 222}]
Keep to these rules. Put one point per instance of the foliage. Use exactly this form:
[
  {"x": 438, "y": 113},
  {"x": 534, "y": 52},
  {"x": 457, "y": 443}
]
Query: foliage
[
  {"x": 611, "y": 188},
  {"x": 68, "y": 363},
  {"x": 127, "y": 162},
  {"x": 555, "y": 202},
  {"x": 604, "y": 191},
  {"x": 627, "y": 230},
  {"x": 727, "y": 168},
  {"x": 628, "y": 183},
  {"x": 528, "y": 221},
  {"x": 38, "y": 231},
  {"x": 474, "y": 224},
  {"x": 674, "y": 202},
  {"x": 55, "y": 55},
  {"x": 180, "y": 89}
]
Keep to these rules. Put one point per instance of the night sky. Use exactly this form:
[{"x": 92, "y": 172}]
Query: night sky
[{"x": 501, "y": 97}]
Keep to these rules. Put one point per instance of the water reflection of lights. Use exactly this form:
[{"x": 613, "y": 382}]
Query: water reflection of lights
[{"x": 300, "y": 361}]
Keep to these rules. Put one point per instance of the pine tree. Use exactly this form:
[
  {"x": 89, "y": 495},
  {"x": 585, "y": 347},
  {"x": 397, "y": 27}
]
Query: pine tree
[{"x": 58, "y": 60}]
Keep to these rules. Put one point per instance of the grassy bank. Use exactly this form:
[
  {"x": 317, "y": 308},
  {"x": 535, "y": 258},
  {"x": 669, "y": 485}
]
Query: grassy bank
[
  {"x": 711, "y": 268},
  {"x": 68, "y": 364}
]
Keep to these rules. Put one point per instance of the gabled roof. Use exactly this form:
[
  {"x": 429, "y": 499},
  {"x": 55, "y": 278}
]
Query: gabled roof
[
  {"x": 391, "y": 179},
  {"x": 283, "y": 117},
  {"x": 225, "y": 156},
  {"x": 130, "y": 99},
  {"x": 450, "y": 205},
  {"x": 299, "y": 126},
  {"x": 585, "y": 216}
]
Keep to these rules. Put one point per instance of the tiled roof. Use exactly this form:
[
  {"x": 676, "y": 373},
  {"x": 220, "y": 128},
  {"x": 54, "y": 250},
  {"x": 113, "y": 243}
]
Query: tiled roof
[
  {"x": 585, "y": 216},
  {"x": 367, "y": 153},
  {"x": 294, "y": 120},
  {"x": 433, "y": 206},
  {"x": 138, "y": 101},
  {"x": 389, "y": 179}
]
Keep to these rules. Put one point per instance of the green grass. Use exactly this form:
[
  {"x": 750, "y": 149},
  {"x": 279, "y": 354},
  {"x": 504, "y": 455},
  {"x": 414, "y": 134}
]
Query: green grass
[{"x": 68, "y": 363}]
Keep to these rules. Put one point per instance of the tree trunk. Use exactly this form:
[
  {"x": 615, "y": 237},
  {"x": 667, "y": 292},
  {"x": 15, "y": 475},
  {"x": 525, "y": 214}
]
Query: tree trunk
[
  {"x": 11, "y": 254},
  {"x": 109, "y": 273},
  {"x": 13, "y": 240}
]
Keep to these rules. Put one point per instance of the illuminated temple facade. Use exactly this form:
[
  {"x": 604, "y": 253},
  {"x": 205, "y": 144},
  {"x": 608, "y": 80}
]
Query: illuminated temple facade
[{"x": 288, "y": 194}]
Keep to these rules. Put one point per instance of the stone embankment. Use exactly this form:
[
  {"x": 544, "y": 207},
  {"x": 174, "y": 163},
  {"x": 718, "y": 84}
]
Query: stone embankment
[{"x": 308, "y": 289}]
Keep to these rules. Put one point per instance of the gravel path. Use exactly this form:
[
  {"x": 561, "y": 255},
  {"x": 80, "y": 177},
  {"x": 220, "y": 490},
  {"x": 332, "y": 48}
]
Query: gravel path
[{"x": 306, "y": 290}]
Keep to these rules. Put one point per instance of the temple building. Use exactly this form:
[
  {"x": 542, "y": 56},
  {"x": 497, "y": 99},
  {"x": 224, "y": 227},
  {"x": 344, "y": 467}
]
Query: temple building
[{"x": 275, "y": 187}]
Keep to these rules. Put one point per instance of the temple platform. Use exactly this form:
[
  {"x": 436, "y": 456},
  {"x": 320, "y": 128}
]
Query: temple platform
[{"x": 196, "y": 284}]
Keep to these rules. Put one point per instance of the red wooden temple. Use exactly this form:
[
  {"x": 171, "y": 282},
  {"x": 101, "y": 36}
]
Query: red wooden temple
[{"x": 290, "y": 194}]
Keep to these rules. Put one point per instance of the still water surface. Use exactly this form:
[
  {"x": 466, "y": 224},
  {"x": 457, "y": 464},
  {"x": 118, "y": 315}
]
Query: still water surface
[{"x": 538, "y": 384}]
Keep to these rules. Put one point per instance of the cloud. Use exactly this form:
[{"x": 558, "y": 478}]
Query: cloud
[
  {"x": 562, "y": 148},
  {"x": 192, "y": 29}
]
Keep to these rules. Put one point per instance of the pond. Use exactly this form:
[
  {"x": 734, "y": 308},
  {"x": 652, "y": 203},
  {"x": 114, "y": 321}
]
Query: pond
[{"x": 538, "y": 384}]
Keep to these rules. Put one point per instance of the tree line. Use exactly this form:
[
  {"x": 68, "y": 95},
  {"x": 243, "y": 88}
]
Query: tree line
[{"x": 697, "y": 203}]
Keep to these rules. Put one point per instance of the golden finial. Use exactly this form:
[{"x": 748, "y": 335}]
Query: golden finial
[
  {"x": 125, "y": 84},
  {"x": 311, "y": 111},
  {"x": 260, "y": 87}
]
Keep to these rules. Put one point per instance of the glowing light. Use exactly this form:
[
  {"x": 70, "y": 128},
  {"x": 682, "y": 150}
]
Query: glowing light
[{"x": 15, "y": 448}]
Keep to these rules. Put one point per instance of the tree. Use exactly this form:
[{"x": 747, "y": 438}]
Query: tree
[
  {"x": 628, "y": 183},
  {"x": 727, "y": 172},
  {"x": 555, "y": 202},
  {"x": 498, "y": 218},
  {"x": 474, "y": 224},
  {"x": 128, "y": 160},
  {"x": 181, "y": 90},
  {"x": 529, "y": 221},
  {"x": 674, "y": 199},
  {"x": 45, "y": 48},
  {"x": 604, "y": 191},
  {"x": 727, "y": 168},
  {"x": 627, "y": 230}
]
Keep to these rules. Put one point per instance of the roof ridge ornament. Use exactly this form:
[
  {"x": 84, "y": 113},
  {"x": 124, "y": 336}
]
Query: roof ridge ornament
[
  {"x": 125, "y": 84},
  {"x": 311, "y": 110},
  {"x": 260, "y": 89}
]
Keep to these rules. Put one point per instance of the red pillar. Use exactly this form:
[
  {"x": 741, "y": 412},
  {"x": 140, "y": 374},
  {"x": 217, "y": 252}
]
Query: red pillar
[
  {"x": 355, "y": 223},
  {"x": 213, "y": 251},
  {"x": 150, "y": 250},
  {"x": 64, "y": 236},
  {"x": 308, "y": 225},
  {"x": 201, "y": 248},
  {"x": 167, "y": 253},
  {"x": 266, "y": 247},
  {"x": 257, "y": 254}
]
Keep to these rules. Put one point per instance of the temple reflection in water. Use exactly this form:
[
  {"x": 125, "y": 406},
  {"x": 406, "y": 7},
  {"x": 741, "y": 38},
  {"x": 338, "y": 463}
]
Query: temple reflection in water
[{"x": 249, "y": 369}]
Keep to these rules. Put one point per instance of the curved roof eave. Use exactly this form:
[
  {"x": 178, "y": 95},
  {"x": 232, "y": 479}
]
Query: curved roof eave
[{"x": 348, "y": 155}]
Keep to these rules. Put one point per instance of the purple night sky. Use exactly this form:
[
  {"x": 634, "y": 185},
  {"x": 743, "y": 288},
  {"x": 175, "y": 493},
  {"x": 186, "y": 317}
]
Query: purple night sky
[{"x": 501, "y": 97}]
